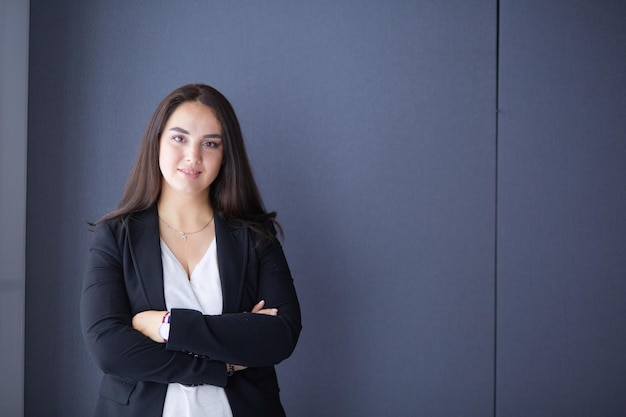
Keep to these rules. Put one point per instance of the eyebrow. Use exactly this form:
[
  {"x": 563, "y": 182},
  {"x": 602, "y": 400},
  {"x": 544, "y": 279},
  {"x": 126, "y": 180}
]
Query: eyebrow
[{"x": 209, "y": 136}]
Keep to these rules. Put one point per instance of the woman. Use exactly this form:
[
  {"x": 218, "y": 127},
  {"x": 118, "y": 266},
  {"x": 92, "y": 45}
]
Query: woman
[{"x": 188, "y": 302}]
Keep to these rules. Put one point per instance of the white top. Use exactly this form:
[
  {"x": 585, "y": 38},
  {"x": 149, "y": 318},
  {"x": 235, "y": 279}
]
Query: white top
[{"x": 202, "y": 291}]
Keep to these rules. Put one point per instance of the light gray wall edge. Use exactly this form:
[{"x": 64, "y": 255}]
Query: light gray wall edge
[{"x": 14, "y": 27}]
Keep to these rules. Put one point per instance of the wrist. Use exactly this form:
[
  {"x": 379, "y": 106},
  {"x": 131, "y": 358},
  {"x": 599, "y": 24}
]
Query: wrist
[{"x": 164, "y": 328}]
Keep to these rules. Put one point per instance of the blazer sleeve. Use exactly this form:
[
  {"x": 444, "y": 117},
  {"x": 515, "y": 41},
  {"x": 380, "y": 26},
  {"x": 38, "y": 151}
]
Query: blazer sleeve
[
  {"x": 247, "y": 339},
  {"x": 106, "y": 322}
]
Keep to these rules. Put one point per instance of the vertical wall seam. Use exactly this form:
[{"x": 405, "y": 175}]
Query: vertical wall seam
[{"x": 495, "y": 272}]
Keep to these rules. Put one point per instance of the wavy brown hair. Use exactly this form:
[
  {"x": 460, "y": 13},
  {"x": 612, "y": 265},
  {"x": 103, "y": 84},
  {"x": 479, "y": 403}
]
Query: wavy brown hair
[{"x": 234, "y": 193}]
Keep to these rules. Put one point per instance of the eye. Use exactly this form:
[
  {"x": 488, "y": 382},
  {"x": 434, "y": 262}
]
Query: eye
[
  {"x": 211, "y": 144},
  {"x": 178, "y": 138}
]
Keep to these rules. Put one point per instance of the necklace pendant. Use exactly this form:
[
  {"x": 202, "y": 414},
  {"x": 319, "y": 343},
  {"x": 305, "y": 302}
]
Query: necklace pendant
[{"x": 183, "y": 235}]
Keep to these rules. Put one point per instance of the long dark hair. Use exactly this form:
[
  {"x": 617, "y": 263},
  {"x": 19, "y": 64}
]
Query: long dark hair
[{"x": 234, "y": 193}]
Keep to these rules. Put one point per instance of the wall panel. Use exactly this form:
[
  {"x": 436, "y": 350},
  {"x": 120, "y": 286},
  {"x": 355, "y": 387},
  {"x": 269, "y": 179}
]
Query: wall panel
[
  {"x": 562, "y": 222},
  {"x": 13, "y": 140}
]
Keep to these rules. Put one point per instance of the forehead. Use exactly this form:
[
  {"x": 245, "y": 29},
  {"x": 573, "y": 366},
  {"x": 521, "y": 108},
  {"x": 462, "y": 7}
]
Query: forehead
[{"x": 194, "y": 113}]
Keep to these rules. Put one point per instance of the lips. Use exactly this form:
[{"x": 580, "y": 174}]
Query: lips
[{"x": 189, "y": 172}]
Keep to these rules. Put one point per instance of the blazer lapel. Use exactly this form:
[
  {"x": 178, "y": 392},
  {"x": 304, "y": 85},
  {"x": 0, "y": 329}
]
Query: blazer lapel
[
  {"x": 144, "y": 243},
  {"x": 232, "y": 254},
  {"x": 145, "y": 249}
]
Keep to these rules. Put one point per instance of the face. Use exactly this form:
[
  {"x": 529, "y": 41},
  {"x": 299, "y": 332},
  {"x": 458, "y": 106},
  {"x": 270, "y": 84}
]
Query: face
[{"x": 191, "y": 149}]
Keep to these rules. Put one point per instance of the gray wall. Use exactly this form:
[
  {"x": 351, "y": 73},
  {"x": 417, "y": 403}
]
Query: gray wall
[
  {"x": 13, "y": 122},
  {"x": 562, "y": 209},
  {"x": 372, "y": 130}
]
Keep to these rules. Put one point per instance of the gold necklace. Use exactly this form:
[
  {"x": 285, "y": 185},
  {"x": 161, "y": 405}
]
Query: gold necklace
[{"x": 185, "y": 234}]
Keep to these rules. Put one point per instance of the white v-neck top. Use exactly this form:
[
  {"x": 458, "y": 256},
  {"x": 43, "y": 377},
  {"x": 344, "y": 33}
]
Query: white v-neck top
[{"x": 201, "y": 291}]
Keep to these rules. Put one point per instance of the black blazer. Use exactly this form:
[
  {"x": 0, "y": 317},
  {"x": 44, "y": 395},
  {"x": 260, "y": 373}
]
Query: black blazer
[{"x": 124, "y": 276}]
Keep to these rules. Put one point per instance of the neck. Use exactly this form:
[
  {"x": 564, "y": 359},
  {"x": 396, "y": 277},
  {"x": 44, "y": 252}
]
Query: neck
[{"x": 185, "y": 212}]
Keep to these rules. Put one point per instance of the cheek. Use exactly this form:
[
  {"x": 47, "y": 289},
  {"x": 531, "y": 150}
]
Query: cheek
[
  {"x": 166, "y": 159},
  {"x": 162, "y": 162},
  {"x": 217, "y": 164},
  {"x": 220, "y": 157}
]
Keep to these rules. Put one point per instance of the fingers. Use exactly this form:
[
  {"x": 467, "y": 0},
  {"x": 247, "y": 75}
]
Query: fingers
[
  {"x": 258, "y": 306},
  {"x": 258, "y": 309},
  {"x": 268, "y": 311}
]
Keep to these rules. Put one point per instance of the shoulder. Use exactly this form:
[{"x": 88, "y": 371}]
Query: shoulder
[
  {"x": 121, "y": 225},
  {"x": 259, "y": 235}
]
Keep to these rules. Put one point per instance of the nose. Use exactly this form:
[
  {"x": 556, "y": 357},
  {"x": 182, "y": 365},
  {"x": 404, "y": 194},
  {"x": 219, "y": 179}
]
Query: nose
[{"x": 193, "y": 155}]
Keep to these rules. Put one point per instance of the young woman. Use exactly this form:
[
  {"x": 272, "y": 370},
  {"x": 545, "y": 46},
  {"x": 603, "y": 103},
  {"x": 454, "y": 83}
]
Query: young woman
[{"x": 187, "y": 301}]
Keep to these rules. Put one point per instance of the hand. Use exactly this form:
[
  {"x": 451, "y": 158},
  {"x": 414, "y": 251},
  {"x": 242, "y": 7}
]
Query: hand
[
  {"x": 148, "y": 323},
  {"x": 238, "y": 367},
  {"x": 258, "y": 309}
]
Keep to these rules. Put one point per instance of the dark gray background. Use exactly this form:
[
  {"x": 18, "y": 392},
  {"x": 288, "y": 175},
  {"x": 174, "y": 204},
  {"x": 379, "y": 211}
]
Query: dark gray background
[
  {"x": 562, "y": 209},
  {"x": 450, "y": 260}
]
